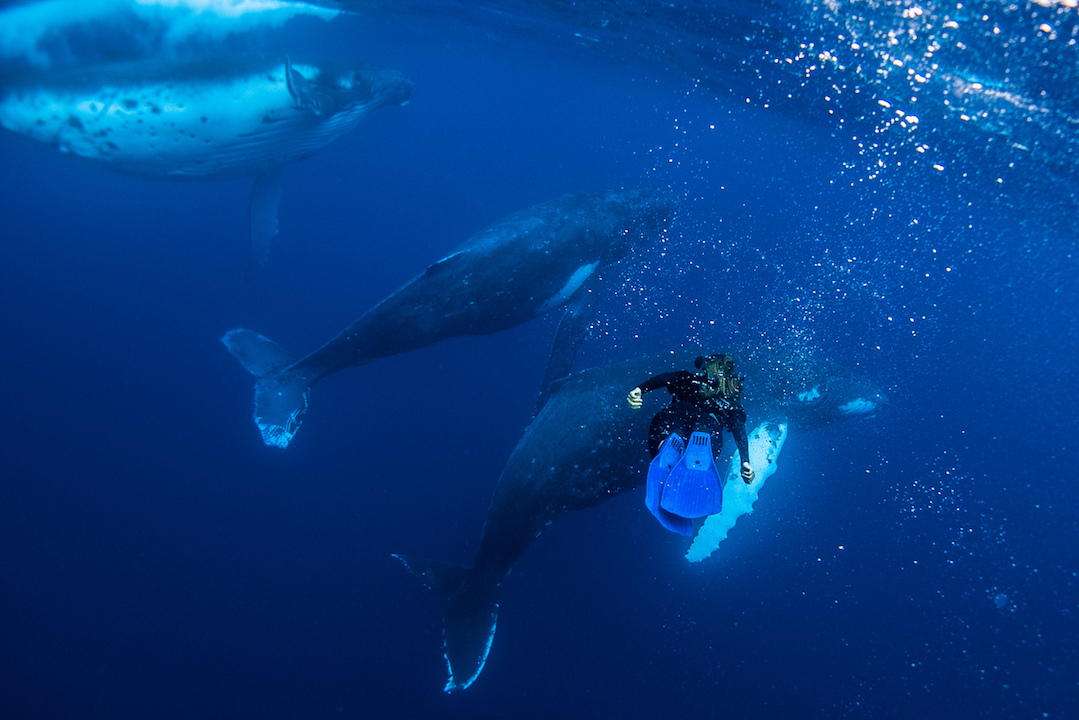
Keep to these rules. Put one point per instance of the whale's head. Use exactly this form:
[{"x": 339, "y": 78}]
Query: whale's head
[
  {"x": 373, "y": 86},
  {"x": 330, "y": 87},
  {"x": 832, "y": 397}
]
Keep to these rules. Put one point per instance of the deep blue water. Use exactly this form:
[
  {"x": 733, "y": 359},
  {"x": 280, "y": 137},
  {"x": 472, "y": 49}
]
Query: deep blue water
[{"x": 161, "y": 562}]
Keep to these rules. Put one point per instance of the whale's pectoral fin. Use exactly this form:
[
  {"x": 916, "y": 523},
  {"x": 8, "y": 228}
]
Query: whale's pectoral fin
[
  {"x": 572, "y": 330},
  {"x": 765, "y": 442},
  {"x": 469, "y": 617},
  {"x": 265, "y": 197},
  {"x": 305, "y": 95},
  {"x": 280, "y": 397}
]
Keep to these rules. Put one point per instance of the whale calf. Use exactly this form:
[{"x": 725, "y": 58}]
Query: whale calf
[
  {"x": 545, "y": 257},
  {"x": 210, "y": 118},
  {"x": 584, "y": 447}
]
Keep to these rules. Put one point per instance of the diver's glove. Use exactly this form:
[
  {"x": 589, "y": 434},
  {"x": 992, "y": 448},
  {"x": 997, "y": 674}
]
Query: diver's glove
[
  {"x": 747, "y": 473},
  {"x": 635, "y": 398}
]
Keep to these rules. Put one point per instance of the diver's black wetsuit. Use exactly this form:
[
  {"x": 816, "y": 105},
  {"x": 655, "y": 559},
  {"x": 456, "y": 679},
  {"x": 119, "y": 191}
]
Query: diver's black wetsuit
[{"x": 689, "y": 410}]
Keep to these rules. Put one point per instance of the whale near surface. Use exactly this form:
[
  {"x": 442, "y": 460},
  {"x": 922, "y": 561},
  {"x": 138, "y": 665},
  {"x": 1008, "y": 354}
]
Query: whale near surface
[
  {"x": 210, "y": 118},
  {"x": 585, "y": 447},
  {"x": 54, "y": 33},
  {"x": 214, "y": 117},
  {"x": 545, "y": 257}
]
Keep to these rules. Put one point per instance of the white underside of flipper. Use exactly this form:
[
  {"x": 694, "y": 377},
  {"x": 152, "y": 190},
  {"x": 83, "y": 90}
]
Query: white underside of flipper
[
  {"x": 573, "y": 284},
  {"x": 765, "y": 442}
]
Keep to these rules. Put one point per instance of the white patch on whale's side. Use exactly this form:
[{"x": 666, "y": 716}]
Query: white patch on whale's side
[
  {"x": 572, "y": 285},
  {"x": 765, "y": 442},
  {"x": 859, "y": 406},
  {"x": 810, "y": 395}
]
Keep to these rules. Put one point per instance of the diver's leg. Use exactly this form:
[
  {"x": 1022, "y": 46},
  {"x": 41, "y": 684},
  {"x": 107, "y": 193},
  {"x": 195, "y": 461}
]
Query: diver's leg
[
  {"x": 713, "y": 425},
  {"x": 717, "y": 444},
  {"x": 662, "y": 425}
]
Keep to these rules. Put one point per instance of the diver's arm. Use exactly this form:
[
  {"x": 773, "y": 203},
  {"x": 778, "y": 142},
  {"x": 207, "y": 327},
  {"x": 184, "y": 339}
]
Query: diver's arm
[
  {"x": 738, "y": 429},
  {"x": 634, "y": 398},
  {"x": 662, "y": 380},
  {"x": 668, "y": 380}
]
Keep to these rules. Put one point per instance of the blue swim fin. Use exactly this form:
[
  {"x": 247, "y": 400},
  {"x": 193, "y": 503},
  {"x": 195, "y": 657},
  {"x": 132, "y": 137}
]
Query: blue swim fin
[
  {"x": 694, "y": 487},
  {"x": 670, "y": 452}
]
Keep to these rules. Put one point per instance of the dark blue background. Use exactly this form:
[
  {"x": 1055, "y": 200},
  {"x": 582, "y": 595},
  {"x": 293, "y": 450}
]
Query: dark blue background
[{"x": 161, "y": 562}]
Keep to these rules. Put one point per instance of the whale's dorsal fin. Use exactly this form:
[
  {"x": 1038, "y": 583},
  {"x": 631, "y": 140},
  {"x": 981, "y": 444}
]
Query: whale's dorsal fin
[{"x": 305, "y": 95}]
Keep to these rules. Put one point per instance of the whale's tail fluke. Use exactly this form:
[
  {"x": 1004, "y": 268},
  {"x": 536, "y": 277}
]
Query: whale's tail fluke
[
  {"x": 469, "y": 616},
  {"x": 280, "y": 396}
]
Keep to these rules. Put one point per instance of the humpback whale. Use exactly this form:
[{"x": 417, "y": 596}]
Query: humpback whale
[
  {"x": 49, "y": 33},
  {"x": 523, "y": 266},
  {"x": 214, "y": 117},
  {"x": 583, "y": 448}
]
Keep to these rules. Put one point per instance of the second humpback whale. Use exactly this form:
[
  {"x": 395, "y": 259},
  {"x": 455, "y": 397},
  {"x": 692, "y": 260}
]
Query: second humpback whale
[
  {"x": 521, "y": 267},
  {"x": 209, "y": 118},
  {"x": 585, "y": 447},
  {"x": 52, "y": 33}
]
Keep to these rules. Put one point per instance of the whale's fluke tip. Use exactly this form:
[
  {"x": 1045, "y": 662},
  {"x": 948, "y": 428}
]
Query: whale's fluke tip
[
  {"x": 280, "y": 397},
  {"x": 469, "y": 617}
]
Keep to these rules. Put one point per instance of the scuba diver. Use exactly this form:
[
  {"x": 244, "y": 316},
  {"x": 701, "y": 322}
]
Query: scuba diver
[{"x": 683, "y": 482}]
